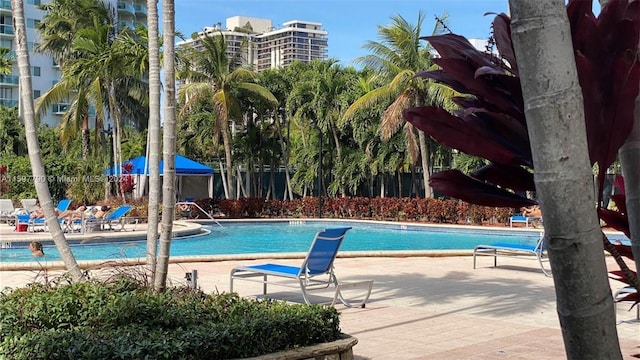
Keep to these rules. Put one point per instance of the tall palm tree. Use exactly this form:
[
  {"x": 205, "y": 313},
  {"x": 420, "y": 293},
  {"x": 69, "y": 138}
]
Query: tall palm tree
[
  {"x": 80, "y": 34},
  {"x": 154, "y": 135},
  {"x": 37, "y": 168},
  {"x": 541, "y": 31},
  {"x": 62, "y": 21},
  {"x": 169, "y": 146},
  {"x": 280, "y": 83},
  {"x": 397, "y": 59},
  {"x": 58, "y": 29},
  {"x": 211, "y": 77},
  {"x": 317, "y": 99}
]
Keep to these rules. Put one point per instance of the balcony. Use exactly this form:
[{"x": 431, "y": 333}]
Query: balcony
[
  {"x": 60, "y": 109},
  {"x": 5, "y": 6},
  {"x": 140, "y": 9},
  {"x": 126, "y": 7},
  {"x": 11, "y": 80},
  {"x": 6, "y": 30},
  {"x": 8, "y": 103}
]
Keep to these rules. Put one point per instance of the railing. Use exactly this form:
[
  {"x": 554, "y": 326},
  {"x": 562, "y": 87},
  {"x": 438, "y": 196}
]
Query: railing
[
  {"x": 125, "y": 6},
  {"x": 6, "y": 29},
  {"x": 140, "y": 9},
  {"x": 185, "y": 208},
  {"x": 8, "y": 102},
  {"x": 9, "y": 79}
]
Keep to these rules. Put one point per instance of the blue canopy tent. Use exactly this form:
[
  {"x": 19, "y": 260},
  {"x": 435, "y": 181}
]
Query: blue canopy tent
[{"x": 195, "y": 180}]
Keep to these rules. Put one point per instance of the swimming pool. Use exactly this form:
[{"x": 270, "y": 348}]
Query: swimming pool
[{"x": 290, "y": 237}]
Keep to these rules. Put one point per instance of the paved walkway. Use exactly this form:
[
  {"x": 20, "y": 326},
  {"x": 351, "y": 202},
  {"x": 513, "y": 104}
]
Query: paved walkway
[{"x": 428, "y": 307}]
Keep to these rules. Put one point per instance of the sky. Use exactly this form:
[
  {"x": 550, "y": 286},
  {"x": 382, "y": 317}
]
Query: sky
[{"x": 350, "y": 23}]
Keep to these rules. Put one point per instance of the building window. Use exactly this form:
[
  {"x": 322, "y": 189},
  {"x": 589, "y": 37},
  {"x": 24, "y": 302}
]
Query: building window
[
  {"x": 34, "y": 2},
  {"x": 35, "y": 70},
  {"x": 36, "y": 94},
  {"x": 32, "y": 23}
]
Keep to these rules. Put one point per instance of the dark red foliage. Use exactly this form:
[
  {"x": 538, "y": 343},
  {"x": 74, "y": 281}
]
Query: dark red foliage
[
  {"x": 127, "y": 167},
  {"x": 127, "y": 183},
  {"x": 615, "y": 219},
  {"x": 454, "y": 183},
  {"x": 515, "y": 178},
  {"x": 608, "y": 72},
  {"x": 491, "y": 123}
]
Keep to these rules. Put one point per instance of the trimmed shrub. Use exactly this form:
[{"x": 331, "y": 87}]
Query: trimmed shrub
[{"x": 122, "y": 319}]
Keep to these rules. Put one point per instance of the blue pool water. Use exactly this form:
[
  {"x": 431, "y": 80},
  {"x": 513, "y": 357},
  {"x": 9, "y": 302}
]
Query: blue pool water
[{"x": 280, "y": 237}]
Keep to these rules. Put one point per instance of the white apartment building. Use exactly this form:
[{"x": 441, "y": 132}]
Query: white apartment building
[
  {"x": 44, "y": 71},
  {"x": 263, "y": 46}
]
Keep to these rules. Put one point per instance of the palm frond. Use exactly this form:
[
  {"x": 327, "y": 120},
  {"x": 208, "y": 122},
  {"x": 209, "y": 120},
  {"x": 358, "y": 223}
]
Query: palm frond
[{"x": 392, "y": 119}]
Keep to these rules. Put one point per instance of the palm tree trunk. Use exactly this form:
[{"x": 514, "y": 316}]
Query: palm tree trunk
[
  {"x": 223, "y": 177},
  {"x": 555, "y": 119},
  {"x": 424, "y": 157},
  {"x": 169, "y": 145},
  {"x": 227, "y": 154},
  {"x": 154, "y": 137},
  {"x": 31, "y": 134},
  {"x": 285, "y": 159},
  {"x": 338, "y": 161},
  {"x": 86, "y": 135}
]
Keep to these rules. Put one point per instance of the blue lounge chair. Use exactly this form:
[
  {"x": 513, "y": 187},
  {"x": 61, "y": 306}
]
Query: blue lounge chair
[
  {"x": 63, "y": 205},
  {"x": 526, "y": 220},
  {"x": 316, "y": 271},
  {"x": 514, "y": 250},
  {"x": 114, "y": 218}
]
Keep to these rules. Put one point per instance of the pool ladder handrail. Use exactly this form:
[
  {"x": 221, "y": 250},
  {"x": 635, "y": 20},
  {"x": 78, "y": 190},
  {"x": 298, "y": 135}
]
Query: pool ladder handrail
[{"x": 191, "y": 203}]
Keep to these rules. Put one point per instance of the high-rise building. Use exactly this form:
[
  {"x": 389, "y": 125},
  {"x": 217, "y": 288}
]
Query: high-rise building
[
  {"x": 44, "y": 71},
  {"x": 265, "y": 47}
]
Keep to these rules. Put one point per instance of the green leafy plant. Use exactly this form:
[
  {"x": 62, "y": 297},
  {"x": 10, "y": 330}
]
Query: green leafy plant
[{"x": 123, "y": 319}]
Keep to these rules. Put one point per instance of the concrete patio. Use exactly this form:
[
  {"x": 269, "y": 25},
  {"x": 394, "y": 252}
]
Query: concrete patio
[{"x": 426, "y": 307}]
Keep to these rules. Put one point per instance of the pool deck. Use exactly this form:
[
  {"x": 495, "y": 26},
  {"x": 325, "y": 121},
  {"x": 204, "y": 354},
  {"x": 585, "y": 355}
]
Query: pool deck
[{"x": 421, "y": 307}]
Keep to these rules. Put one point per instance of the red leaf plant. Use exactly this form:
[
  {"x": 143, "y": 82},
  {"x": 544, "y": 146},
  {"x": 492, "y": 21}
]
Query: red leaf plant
[
  {"x": 490, "y": 121},
  {"x": 127, "y": 183}
]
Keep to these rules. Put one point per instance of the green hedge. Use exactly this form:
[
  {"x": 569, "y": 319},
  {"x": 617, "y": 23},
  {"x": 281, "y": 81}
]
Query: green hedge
[{"x": 121, "y": 319}]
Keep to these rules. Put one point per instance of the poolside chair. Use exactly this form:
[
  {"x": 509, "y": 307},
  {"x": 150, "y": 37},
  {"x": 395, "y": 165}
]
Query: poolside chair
[
  {"x": 526, "y": 220},
  {"x": 114, "y": 218},
  {"x": 7, "y": 211},
  {"x": 316, "y": 271},
  {"x": 514, "y": 250},
  {"x": 63, "y": 205},
  {"x": 627, "y": 293},
  {"x": 28, "y": 204}
]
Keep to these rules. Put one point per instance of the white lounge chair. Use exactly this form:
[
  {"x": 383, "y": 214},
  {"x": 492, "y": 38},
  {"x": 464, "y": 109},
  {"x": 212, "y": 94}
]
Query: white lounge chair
[
  {"x": 514, "y": 250},
  {"x": 316, "y": 271},
  {"x": 7, "y": 211}
]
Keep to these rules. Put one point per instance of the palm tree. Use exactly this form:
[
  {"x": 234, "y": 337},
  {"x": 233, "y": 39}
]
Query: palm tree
[
  {"x": 58, "y": 29},
  {"x": 79, "y": 34},
  {"x": 37, "y": 168},
  {"x": 169, "y": 146},
  {"x": 211, "y": 77},
  {"x": 540, "y": 32},
  {"x": 316, "y": 98},
  {"x": 154, "y": 135},
  {"x": 397, "y": 59},
  {"x": 279, "y": 84},
  {"x": 62, "y": 21}
]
